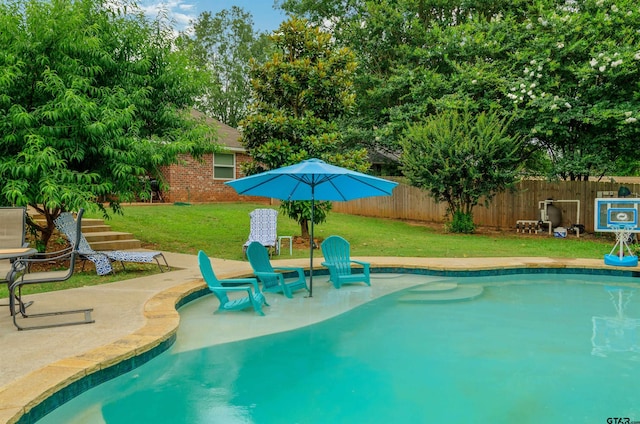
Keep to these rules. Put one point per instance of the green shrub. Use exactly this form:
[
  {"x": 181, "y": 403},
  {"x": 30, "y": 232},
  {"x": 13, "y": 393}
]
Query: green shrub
[{"x": 461, "y": 223}]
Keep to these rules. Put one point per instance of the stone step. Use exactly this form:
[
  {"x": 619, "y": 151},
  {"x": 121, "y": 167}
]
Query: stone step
[
  {"x": 88, "y": 224},
  {"x": 99, "y": 235},
  {"x": 92, "y": 222},
  {"x": 106, "y": 236},
  {"x": 462, "y": 293},
  {"x": 128, "y": 244},
  {"x": 95, "y": 229}
]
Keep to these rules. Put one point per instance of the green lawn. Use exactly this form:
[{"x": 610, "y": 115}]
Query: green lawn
[{"x": 221, "y": 230}]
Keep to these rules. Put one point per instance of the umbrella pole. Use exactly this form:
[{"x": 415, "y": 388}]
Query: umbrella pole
[{"x": 311, "y": 247}]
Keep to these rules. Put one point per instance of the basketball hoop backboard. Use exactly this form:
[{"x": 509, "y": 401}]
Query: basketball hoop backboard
[{"x": 612, "y": 214}]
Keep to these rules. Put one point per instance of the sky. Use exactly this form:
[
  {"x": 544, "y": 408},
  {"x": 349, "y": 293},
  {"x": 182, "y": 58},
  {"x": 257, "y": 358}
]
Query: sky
[{"x": 265, "y": 17}]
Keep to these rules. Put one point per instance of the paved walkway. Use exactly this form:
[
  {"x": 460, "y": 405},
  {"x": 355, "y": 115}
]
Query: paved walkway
[{"x": 135, "y": 315}]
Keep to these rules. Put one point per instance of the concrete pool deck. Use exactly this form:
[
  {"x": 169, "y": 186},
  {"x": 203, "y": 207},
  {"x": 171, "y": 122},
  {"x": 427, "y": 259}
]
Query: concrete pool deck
[{"x": 134, "y": 316}]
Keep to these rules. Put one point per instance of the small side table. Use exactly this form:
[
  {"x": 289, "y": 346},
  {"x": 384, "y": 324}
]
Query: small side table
[{"x": 290, "y": 244}]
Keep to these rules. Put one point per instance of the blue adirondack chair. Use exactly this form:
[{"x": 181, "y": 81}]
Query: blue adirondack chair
[
  {"x": 254, "y": 297},
  {"x": 337, "y": 258},
  {"x": 273, "y": 279}
]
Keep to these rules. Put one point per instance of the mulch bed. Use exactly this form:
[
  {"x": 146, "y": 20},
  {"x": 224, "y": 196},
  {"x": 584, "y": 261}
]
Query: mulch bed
[{"x": 303, "y": 243}]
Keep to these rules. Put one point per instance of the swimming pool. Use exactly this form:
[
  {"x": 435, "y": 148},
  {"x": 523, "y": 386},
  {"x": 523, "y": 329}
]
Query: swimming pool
[{"x": 533, "y": 348}]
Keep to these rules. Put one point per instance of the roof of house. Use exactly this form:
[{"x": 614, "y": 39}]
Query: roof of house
[{"x": 227, "y": 136}]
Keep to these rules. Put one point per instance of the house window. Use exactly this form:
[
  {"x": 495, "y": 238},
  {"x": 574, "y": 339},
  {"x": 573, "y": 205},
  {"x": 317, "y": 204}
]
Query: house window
[{"x": 224, "y": 166}]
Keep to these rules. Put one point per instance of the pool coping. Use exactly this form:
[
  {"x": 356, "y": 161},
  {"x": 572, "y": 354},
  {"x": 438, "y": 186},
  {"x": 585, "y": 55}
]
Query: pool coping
[{"x": 21, "y": 401}]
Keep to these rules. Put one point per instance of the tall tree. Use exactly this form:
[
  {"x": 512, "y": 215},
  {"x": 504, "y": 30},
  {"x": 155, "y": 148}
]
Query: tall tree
[
  {"x": 300, "y": 94},
  {"x": 93, "y": 98},
  {"x": 222, "y": 45}
]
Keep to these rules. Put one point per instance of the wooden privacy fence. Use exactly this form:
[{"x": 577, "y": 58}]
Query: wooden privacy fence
[{"x": 504, "y": 210}]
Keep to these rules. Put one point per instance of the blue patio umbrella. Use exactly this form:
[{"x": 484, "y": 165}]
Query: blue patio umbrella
[{"x": 313, "y": 180}]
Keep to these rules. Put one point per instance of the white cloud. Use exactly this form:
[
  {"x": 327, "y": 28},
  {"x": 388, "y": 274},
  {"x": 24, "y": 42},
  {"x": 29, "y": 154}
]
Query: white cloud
[{"x": 178, "y": 11}]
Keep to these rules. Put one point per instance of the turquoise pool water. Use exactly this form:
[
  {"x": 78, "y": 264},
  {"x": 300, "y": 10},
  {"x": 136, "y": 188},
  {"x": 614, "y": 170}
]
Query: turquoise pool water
[{"x": 532, "y": 349}]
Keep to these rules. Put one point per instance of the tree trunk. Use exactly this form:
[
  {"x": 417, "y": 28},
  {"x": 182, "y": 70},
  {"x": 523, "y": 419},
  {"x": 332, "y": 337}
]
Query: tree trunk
[
  {"x": 304, "y": 229},
  {"x": 46, "y": 231}
]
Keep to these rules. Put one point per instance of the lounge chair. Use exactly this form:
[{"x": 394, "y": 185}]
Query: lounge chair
[
  {"x": 220, "y": 288},
  {"x": 103, "y": 259},
  {"x": 12, "y": 227},
  {"x": 22, "y": 276},
  {"x": 336, "y": 252},
  {"x": 263, "y": 229},
  {"x": 12, "y": 233},
  {"x": 273, "y": 279}
]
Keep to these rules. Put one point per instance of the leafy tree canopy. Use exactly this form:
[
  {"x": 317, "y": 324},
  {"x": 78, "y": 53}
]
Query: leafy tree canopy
[
  {"x": 573, "y": 80},
  {"x": 568, "y": 70},
  {"x": 93, "y": 97}
]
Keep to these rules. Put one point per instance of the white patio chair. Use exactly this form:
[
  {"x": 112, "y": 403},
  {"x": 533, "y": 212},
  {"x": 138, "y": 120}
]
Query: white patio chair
[{"x": 263, "y": 229}]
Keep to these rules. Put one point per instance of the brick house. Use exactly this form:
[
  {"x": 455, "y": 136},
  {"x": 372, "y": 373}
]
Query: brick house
[{"x": 196, "y": 181}]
